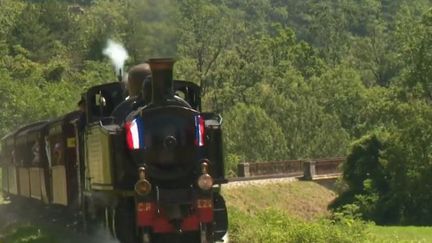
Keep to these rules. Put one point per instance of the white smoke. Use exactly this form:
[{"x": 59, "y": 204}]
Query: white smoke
[{"x": 117, "y": 54}]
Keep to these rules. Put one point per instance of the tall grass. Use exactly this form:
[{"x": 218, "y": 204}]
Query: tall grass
[
  {"x": 275, "y": 226},
  {"x": 401, "y": 234},
  {"x": 25, "y": 233}
]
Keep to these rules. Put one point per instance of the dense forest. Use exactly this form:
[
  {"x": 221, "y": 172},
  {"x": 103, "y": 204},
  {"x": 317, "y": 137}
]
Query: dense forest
[{"x": 293, "y": 79}]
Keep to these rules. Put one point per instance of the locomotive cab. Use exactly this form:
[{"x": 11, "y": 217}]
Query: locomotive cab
[{"x": 101, "y": 100}]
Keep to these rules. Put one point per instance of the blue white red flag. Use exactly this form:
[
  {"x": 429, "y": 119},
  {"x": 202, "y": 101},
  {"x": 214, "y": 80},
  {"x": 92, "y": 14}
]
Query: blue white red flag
[
  {"x": 199, "y": 131},
  {"x": 135, "y": 133}
]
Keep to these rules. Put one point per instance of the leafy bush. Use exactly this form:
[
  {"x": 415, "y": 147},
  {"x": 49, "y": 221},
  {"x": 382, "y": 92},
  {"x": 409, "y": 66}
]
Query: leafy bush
[{"x": 388, "y": 172}]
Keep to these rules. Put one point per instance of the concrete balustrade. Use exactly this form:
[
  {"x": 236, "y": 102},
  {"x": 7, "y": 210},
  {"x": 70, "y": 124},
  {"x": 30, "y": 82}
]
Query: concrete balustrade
[{"x": 307, "y": 169}]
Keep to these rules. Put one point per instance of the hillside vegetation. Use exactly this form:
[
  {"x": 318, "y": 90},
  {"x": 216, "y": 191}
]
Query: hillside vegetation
[
  {"x": 300, "y": 199},
  {"x": 293, "y": 79}
]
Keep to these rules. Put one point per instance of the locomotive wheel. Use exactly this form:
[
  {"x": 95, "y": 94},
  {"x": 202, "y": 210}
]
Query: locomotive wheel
[
  {"x": 92, "y": 217},
  {"x": 110, "y": 221},
  {"x": 124, "y": 222}
]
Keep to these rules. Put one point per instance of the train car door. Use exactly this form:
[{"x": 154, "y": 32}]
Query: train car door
[
  {"x": 23, "y": 158},
  {"x": 47, "y": 190},
  {"x": 12, "y": 168},
  {"x": 71, "y": 160},
  {"x": 35, "y": 140},
  {"x": 58, "y": 186},
  {"x": 34, "y": 170},
  {"x": 45, "y": 168},
  {"x": 63, "y": 160},
  {"x": 5, "y": 160}
]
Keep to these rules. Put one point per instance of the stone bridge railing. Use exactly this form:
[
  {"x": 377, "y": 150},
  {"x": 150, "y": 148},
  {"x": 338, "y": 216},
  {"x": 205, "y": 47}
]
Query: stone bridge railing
[{"x": 308, "y": 169}]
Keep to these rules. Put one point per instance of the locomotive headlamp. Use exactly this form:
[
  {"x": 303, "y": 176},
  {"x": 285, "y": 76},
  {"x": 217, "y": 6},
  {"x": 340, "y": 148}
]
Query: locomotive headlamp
[
  {"x": 205, "y": 181},
  {"x": 143, "y": 186}
]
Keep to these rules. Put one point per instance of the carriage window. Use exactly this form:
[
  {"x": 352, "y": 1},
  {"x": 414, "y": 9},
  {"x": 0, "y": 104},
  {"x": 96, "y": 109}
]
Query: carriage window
[
  {"x": 180, "y": 94},
  {"x": 36, "y": 153},
  {"x": 189, "y": 92},
  {"x": 100, "y": 100},
  {"x": 57, "y": 158},
  {"x": 48, "y": 150},
  {"x": 13, "y": 158}
]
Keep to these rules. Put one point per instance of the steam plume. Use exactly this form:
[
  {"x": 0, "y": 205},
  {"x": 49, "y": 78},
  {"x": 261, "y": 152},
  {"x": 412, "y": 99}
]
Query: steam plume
[{"x": 117, "y": 54}]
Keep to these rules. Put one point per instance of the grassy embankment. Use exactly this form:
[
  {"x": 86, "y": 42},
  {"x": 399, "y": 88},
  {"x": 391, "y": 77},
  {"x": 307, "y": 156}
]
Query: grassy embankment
[
  {"x": 405, "y": 234},
  {"x": 295, "y": 212},
  {"x": 300, "y": 199},
  {"x": 287, "y": 212}
]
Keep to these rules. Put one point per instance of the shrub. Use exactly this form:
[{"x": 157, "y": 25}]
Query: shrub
[{"x": 388, "y": 173}]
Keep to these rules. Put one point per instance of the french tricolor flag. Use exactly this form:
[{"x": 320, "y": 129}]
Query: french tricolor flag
[
  {"x": 135, "y": 133},
  {"x": 199, "y": 130}
]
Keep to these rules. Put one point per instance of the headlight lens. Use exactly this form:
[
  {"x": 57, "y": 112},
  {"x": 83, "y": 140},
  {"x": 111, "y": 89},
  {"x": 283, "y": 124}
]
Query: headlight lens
[
  {"x": 143, "y": 187},
  {"x": 205, "y": 182}
]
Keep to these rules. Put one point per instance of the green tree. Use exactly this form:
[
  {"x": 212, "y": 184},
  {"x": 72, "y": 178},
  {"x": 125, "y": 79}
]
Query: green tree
[
  {"x": 33, "y": 35},
  {"x": 9, "y": 12},
  {"x": 416, "y": 40},
  {"x": 341, "y": 92},
  {"x": 252, "y": 136},
  {"x": 152, "y": 29},
  {"x": 207, "y": 31}
]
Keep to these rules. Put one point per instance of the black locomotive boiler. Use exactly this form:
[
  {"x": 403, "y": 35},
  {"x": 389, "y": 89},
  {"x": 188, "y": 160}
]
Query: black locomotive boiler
[{"x": 151, "y": 174}]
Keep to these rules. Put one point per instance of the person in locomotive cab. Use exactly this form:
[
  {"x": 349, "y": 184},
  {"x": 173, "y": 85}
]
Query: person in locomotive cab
[{"x": 138, "y": 77}]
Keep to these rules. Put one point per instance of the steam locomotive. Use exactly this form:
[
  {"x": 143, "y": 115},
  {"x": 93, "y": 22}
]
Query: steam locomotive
[{"x": 153, "y": 175}]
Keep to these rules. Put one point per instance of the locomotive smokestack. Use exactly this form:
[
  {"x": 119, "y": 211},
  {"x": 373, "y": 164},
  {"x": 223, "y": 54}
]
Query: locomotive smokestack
[{"x": 162, "y": 79}]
